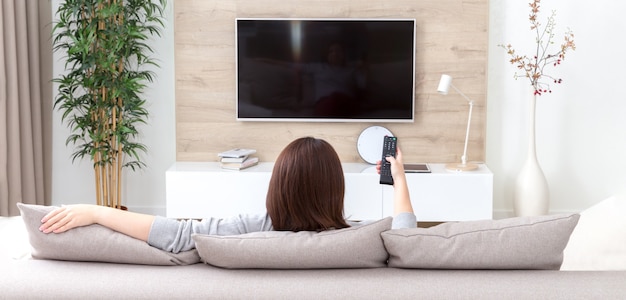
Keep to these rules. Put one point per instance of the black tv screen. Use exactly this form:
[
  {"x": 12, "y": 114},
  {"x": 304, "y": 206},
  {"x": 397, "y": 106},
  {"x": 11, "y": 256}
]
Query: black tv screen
[{"x": 325, "y": 69}]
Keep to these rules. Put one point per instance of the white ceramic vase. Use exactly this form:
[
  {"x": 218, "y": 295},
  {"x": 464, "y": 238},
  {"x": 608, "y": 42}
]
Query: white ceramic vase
[{"x": 532, "y": 196}]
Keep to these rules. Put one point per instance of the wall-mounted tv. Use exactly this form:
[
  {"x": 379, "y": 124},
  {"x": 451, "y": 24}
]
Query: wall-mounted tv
[{"x": 337, "y": 70}]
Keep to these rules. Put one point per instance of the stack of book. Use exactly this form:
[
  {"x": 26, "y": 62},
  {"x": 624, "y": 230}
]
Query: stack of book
[{"x": 238, "y": 159}]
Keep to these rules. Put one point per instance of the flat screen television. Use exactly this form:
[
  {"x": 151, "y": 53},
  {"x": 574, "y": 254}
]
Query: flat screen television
[{"x": 327, "y": 70}]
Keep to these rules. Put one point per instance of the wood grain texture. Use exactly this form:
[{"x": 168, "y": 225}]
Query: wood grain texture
[{"x": 451, "y": 38}]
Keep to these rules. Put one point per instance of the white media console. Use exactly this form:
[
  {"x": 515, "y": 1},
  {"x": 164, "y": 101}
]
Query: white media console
[{"x": 203, "y": 189}]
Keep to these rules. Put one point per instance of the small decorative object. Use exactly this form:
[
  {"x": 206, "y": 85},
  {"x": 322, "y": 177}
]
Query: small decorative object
[
  {"x": 370, "y": 143},
  {"x": 531, "y": 195},
  {"x": 444, "y": 85}
]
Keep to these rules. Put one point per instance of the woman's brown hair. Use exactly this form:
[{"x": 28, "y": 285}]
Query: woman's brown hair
[{"x": 307, "y": 187}]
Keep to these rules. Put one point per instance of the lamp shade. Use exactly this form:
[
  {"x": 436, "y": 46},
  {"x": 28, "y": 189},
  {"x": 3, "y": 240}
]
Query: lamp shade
[{"x": 444, "y": 84}]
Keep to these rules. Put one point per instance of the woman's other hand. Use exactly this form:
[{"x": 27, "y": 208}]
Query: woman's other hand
[{"x": 67, "y": 217}]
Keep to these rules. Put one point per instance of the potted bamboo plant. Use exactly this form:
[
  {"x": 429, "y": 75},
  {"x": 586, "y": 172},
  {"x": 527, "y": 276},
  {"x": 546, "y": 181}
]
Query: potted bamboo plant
[{"x": 100, "y": 96}]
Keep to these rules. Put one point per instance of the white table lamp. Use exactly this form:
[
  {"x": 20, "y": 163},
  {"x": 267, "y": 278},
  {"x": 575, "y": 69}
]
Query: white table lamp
[{"x": 444, "y": 84}]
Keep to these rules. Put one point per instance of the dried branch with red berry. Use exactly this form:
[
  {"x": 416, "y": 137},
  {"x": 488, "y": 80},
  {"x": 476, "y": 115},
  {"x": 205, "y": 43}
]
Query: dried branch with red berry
[{"x": 534, "y": 67}]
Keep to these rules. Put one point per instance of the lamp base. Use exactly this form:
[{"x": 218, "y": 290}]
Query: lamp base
[{"x": 460, "y": 167}]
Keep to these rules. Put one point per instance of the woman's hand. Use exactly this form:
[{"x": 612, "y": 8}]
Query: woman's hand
[
  {"x": 397, "y": 165},
  {"x": 401, "y": 198},
  {"x": 71, "y": 216},
  {"x": 67, "y": 217}
]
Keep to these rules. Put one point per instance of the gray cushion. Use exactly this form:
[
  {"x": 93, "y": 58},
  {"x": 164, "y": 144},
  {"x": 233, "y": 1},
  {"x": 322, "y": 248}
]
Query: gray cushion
[
  {"x": 94, "y": 243},
  {"x": 353, "y": 247},
  {"x": 513, "y": 243}
]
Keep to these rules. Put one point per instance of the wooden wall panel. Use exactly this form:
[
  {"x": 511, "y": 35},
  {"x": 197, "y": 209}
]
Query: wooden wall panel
[{"x": 451, "y": 38}]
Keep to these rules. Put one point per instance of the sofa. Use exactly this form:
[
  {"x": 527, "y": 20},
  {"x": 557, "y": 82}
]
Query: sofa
[{"x": 543, "y": 257}]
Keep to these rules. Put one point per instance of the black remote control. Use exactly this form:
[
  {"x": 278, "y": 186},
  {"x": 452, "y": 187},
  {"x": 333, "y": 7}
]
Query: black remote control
[{"x": 389, "y": 149}]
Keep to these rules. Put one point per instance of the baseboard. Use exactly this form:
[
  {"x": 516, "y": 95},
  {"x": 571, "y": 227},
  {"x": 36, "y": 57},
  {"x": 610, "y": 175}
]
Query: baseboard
[
  {"x": 503, "y": 214},
  {"x": 497, "y": 213},
  {"x": 149, "y": 210},
  {"x": 509, "y": 213}
]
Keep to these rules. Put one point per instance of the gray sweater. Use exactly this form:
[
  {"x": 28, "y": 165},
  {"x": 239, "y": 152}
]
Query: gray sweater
[{"x": 175, "y": 235}]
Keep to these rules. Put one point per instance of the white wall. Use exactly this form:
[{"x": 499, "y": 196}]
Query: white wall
[
  {"x": 580, "y": 140},
  {"x": 581, "y": 143},
  {"x": 144, "y": 190}
]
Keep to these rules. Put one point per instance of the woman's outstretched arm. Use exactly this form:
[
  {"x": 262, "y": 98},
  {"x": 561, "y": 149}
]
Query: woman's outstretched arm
[
  {"x": 71, "y": 216},
  {"x": 401, "y": 197}
]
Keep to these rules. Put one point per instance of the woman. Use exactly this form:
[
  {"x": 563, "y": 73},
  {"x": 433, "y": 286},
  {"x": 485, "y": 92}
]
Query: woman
[{"x": 305, "y": 192}]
